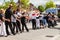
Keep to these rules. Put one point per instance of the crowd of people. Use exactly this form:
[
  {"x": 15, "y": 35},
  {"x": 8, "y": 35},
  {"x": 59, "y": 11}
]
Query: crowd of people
[{"x": 14, "y": 19}]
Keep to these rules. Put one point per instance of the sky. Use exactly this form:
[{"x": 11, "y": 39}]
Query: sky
[
  {"x": 36, "y": 2},
  {"x": 7, "y": 0},
  {"x": 42, "y": 2},
  {"x": 1, "y": 1}
]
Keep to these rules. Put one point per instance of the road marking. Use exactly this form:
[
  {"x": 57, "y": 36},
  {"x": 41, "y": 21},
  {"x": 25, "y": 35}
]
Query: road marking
[{"x": 54, "y": 38}]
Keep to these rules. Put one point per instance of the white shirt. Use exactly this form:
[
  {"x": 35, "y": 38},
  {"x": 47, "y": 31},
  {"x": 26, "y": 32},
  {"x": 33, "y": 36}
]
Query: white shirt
[
  {"x": 13, "y": 18},
  {"x": 19, "y": 14},
  {"x": 41, "y": 18},
  {"x": 31, "y": 16}
]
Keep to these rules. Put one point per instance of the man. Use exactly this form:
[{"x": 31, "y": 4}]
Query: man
[
  {"x": 50, "y": 20},
  {"x": 8, "y": 14}
]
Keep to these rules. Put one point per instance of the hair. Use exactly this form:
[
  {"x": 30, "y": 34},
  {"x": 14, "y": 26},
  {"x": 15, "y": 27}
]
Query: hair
[
  {"x": 49, "y": 13},
  {"x": 52, "y": 12},
  {"x": 40, "y": 12},
  {"x": 23, "y": 13},
  {"x": 14, "y": 11},
  {"x": 18, "y": 9},
  {"x": 2, "y": 10}
]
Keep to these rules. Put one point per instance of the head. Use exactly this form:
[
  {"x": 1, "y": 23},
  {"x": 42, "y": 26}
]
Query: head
[
  {"x": 40, "y": 12},
  {"x": 18, "y": 9},
  {"x": 2, "y": 11},
  {"x": 10, "y": 6},
  {"x": 49, "y": 14},
  {"x": 23, "y": 13},
  {"x": 36, "y": 10},
  {"x": 14, "y": 12}
]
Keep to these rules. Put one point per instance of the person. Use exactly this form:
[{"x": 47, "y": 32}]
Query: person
[
  {"x": 50, "y": 20},
  {"x": 55, "y": 18},
  {"x": 45, "y": 20},
  {"x": 37, "y": 21},
  {"x": 23, "y": 22},
  {"x": 18, "y": 21},
  {"x": 8, "y": 14},
  {"x": 33, "y": 19},
  {"x": 13, "y": 20},
  {"x": 41, "y": 20},
  {"x": 2, "y": 24}
]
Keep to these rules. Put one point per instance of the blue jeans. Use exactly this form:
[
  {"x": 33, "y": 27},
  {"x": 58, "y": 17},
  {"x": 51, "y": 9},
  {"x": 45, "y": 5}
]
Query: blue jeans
[{"x": 44, "y": 21}]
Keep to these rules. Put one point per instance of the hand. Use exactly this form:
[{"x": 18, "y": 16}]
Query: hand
[
  {"x": 8, "y": 20},
  {"x": 0, "y": 20}
]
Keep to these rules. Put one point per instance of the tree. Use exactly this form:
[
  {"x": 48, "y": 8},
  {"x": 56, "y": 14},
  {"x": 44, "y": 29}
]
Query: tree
[
  {"x": 6, "y": 4},
  {"x": 41, "y": 8},
  {"x": 50, "y": 4},
  {"x": 23, "y": 3},
  {"x": 13, "y": 3}
]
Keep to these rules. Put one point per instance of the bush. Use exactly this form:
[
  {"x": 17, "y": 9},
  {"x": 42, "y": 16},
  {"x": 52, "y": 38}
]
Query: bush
[{"x": 41, "y": 8}]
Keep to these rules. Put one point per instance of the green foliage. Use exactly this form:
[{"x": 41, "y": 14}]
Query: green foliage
[
  {"x": 25, "y": 3},
  {"x": 50, "y": 4},
  {"x": 41, "y": 8},
  {"x": 11, "y": 0},
  {"x": 14, "y": 4},
  {"x": 6, "y": 4}
]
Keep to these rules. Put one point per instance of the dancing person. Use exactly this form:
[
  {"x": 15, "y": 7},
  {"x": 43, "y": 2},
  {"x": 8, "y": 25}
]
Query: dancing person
[
  {"x": 23, "y": 22},
  {"x": 2, "y": 23},
  {"x": 18, "y": 21},
  {"x": 8, "y": 14}
]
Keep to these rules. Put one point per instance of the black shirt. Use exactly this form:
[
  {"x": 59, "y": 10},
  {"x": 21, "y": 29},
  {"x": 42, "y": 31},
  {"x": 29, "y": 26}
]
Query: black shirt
[
  {"x": 1, "y": 16},
  {"x": 8, "y": 13},
  {"x": 37, "y": 17},
  {"x": 23, "y": 19}
]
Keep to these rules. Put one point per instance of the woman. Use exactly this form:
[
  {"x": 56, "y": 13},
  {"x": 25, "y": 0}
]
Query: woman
[
  {"x": 2, "y": 24},
  {"x": 13, "y": 20},
  {"x": 18, "y": 21},
  {"x": 23, "y": 22}
]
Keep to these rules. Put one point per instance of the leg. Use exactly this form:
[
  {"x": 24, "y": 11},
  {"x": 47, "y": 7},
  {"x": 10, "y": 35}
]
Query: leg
[
  {"x": 26, "y": 27},
  {"x": 35, "y": 25},
  {"x": 22, "y": 28},
  {"x": 18, "y": 26},
  {"x": 10, "y": 26},
  {"x": 14, "y": 25},
  {"x": 52, "y": 24},
  {"x": 32, "y": 24},
  {"x": 6, "y": 26},
  {"x": 49, "y": 24}
]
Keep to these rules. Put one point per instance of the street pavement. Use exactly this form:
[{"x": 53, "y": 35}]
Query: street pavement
[{"x": 40, "y": 34}]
